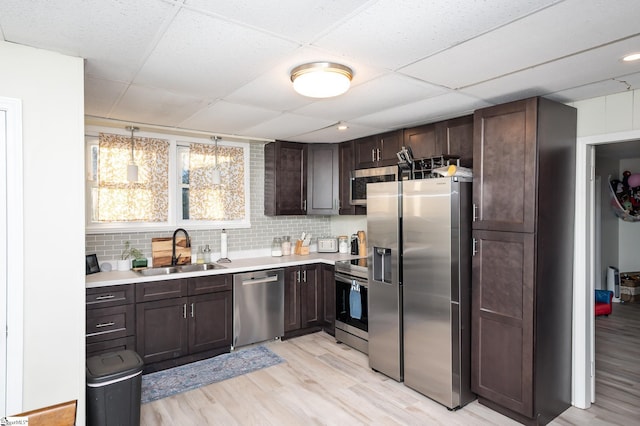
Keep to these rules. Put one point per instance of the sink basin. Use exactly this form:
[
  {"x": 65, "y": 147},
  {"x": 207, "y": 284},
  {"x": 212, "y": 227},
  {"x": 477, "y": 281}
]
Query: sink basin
[
  {"x": 200, "y": 267},
  {"x": 166, "y": 270}
]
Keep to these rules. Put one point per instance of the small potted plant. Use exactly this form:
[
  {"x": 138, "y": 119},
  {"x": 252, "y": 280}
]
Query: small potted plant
[{"x": 124, "y": 264}]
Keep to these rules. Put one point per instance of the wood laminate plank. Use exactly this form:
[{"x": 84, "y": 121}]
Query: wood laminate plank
[{"x": 325, "y": 383}]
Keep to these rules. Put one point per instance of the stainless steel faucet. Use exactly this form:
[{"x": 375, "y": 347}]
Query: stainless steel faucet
[{"x": 174, "y": 259}]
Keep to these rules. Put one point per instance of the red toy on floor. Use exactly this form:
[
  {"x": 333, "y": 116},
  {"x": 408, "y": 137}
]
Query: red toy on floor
[{"x": 603, "y": 302}]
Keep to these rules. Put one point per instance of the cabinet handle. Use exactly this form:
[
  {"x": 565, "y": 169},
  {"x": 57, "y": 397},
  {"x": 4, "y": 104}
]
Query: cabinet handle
[
  {"x": 105, "y": 324},
  {"x": 373, "y": 155},
  {"x": 193, "y": 310},
  {"x": 304, "y": 205},
  {"x": 304, "y": 276},
  {"x": 379, "y": 153},
  {"x": 298, "y": 275},
  {"x": 108, "y": 296},
  {"x": 475, "y": 212},
  {"x": 184, "y": 311},
  {"x": 474, "y": 246}
]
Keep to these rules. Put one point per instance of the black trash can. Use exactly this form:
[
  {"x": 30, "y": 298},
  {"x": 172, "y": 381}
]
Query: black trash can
[{"x": 114, "y": 385}]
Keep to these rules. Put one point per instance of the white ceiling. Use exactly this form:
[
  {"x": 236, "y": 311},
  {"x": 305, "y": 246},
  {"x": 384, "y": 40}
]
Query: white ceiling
[{"x": 222, "y": 66}]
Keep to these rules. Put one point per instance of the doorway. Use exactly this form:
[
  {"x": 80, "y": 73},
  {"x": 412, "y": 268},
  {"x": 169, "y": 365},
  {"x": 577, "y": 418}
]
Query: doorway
[{"x": 586, "y": 278}]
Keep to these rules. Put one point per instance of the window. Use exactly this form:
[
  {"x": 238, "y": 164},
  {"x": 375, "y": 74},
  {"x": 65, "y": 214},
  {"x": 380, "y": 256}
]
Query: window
[{"x": 174, "y": 187}]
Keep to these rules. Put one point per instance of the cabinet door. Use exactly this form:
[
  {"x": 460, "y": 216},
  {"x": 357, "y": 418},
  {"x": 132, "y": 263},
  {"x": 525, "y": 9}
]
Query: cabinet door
[
  {"x": 328, "y": 296},
  {"x": 210, "y": 321},
  {"x": 291, "y": 299},
  {"x": 502, "y": 346},
  {"x": 456, "y": 136},
  {"x": 346, "y": 153},
  {"x": 311, "y": 306},
  {"x": 366, "y": 152},
  {"x": 322, "y": 180},
  {"x": 285, "y": 186},
  {"x": 504, "y": 172},
  {"x": 162, "y": 329},
  {"x": 389, "y": 144},
  {"x": 423, "y": 141}
]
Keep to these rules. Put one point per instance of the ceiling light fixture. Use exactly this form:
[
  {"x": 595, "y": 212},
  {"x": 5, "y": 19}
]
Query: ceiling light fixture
[
  {"x": 215, "y": 174},
  {"x": 342, "y": 126},
  {"x": 631, "y": 57},
  {"x": 321, "y": 79},
  {"x": 132, "y": 168}
]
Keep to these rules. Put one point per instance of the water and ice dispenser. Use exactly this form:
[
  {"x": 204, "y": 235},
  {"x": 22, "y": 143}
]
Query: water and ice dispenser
[{"x": 382, "y": 264}]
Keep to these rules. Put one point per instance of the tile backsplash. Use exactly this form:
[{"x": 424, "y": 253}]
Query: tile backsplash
[{"x": 108, "y": 246}]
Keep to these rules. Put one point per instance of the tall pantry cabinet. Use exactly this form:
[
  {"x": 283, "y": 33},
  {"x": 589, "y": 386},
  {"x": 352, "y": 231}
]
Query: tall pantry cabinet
[{"x": 523, "y": 195}]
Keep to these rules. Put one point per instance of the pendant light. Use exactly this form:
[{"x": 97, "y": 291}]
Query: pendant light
[
  {"x": 215, "y": 174},
  {"x": 132, "y": 168}
]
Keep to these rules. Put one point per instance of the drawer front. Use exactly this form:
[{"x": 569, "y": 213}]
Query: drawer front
[
  {"x": 110, "y": 323},
  {"x": 113, "y": 345},
  {"x": 109, "y": 296},
  {"x": 159, "y": 290},
  {"x": 209, "y": 284}
]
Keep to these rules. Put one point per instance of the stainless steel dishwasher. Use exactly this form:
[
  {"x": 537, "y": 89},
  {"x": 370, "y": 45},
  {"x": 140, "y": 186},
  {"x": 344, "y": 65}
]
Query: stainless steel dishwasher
[{"x": 258, "y": 307}]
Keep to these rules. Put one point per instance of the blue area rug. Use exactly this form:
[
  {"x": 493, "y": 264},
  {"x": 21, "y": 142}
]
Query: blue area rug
[{"x": 191, "y": 376}]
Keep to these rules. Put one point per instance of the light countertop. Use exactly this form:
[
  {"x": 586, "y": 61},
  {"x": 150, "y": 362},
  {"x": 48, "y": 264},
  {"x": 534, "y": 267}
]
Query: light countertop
[{"x": 102, "y": 279}]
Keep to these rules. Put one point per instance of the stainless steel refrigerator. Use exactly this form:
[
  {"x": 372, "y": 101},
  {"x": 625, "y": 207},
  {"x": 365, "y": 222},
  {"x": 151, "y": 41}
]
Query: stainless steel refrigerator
[{"x": 419, "y": 285}]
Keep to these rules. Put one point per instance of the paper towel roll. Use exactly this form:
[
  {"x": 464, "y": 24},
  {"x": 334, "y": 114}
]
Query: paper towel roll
[{"x": 223, "y": 244}]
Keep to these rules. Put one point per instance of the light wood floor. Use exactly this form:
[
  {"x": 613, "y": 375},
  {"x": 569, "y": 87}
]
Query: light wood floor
[{"x": 324, "y": 383}]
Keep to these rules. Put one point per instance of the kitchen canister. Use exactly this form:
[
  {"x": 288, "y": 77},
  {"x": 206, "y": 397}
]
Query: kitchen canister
[
  {"x": 276, "y": 247},
  {"x": 343, "y": 244},
  {"x": 286, "y": 245}
]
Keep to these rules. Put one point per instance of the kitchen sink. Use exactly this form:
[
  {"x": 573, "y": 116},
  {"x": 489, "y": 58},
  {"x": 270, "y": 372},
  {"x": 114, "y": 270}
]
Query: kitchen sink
[
  {"x": 166, "y": 270},
  {"x": 200, "y": 267}
]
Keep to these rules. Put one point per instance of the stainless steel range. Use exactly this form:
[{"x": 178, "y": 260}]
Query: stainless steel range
[{"x": 352, "y": 303}]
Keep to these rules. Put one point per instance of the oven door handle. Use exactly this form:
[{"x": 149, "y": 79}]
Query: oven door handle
[{"x": 347, "y": 280}]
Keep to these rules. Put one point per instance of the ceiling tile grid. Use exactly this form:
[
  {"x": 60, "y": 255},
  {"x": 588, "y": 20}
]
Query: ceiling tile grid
[{"x": 224, "y": 66}]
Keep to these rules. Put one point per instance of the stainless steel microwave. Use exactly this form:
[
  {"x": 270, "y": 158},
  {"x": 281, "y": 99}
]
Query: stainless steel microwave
[{"x": 360, "y": 178}]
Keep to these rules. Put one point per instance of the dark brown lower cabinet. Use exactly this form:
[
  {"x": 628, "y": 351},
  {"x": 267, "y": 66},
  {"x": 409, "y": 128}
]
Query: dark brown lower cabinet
[
  {"x": 110, "y": 319},
  {"x": 303, "y": 307},
  {"x": 327, "y": 276},
  {"x": 502, "y": 308},
  {"x": 177, "y": 330}
]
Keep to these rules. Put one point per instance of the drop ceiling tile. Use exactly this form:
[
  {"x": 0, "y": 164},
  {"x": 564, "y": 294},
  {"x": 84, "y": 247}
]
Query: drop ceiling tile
[
  {"x": 601, "y": 88},
  {"x": 332, "y": 134},
  {"x": 426, "y": 111},
  {"x": 101, "y": 95},
  {"x": 286, "y": 126},
  {"x": 110, "y": 35},
  {"x": 573, "y": 71},
  {"x": 297, "y": 20},
  {"x": 145, "y": 105},
  {"x": 274, "y": 90},
  {"x": 202, "y": 55},
  {"x": 225, "y": 117},
  {"x": 392, "y": 34},
  {"x": 525, "y": 43},
  {"x": 382, "y": 93}
]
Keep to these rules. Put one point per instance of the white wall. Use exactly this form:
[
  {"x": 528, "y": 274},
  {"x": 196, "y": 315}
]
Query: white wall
[
  {"x": 629, "y": 232},
  {"x": 50, "y": 86}
]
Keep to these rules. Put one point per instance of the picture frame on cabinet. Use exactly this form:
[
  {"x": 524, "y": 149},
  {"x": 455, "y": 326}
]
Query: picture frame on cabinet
[{"x": 92, "y": 265}]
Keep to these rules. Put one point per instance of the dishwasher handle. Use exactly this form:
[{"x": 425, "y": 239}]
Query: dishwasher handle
[{"x": 269, "y": 279}]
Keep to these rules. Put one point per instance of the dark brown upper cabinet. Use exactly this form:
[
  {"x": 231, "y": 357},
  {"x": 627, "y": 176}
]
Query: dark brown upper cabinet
[
  {"x": 285, "y": 178},
  {"x": 378, "y": 150}
]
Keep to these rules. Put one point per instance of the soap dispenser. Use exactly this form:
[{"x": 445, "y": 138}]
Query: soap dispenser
[{"x": 207, "y": 254}]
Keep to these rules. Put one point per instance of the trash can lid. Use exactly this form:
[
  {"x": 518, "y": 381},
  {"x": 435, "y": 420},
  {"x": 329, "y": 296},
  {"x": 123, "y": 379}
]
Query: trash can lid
[{"x": 112, "y": 366}]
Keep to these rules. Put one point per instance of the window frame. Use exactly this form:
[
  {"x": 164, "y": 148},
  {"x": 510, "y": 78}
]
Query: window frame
[{"x": 175, "y": 188}]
